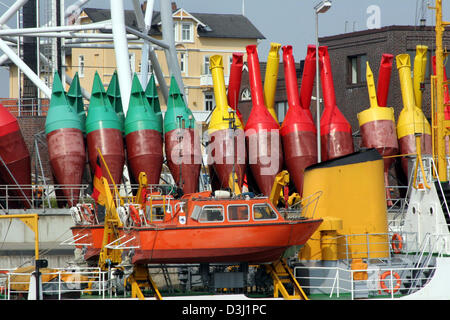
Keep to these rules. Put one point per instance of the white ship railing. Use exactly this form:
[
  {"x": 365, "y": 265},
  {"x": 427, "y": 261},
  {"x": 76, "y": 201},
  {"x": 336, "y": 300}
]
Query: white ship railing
[
  {"x": 344, "y": 286},
  {"x": 65, "y": 283}
]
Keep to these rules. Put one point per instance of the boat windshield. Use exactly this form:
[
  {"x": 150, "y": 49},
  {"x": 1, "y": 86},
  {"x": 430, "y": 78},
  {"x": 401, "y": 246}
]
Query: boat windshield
[{"x": 264, "y": 212}]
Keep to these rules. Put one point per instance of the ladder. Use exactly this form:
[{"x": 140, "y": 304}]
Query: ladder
[{"x": 281, "y": 273}]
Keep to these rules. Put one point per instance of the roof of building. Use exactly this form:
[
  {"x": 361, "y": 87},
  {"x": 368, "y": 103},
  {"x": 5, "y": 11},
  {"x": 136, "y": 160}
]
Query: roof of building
[
  {"x": 376, "y": 30},
  {"x": 215, "y": 25}
]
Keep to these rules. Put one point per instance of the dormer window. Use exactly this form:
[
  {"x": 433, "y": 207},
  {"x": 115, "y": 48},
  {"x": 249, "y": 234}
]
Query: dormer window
[{"x": 187, "y": 32}]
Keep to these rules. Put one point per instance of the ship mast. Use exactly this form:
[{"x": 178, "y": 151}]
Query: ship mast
[{"x": 439, "y": 152}]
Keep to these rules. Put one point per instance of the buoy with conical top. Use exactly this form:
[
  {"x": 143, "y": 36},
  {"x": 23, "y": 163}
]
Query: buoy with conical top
[
  {"x": 15, "y": 155},
  {"x": 384, "y": 78},
  {"x": 335, "y": 131},
  {"x": 151, "y": 93},
  {"x": 377, "y": 125},
  {"x": 420, "y": 66},
  {"x": 75, "y": 98},
  {"x": 182, "y": 143},
  {"x": 143, "y": 136},
  {"x": 234, "y": 83},
  {"x": 113, "y": 93},
  {"x": 103, "y": 131},
  {"x": 226, "y": 148},
  {"x": 265, "y": 157},
  {"x": 298, "y": 133},
  {"x": 65, "y": 143},
  {"x": 270, "y": 79},
  {"x": 308, "y": 76},
  {"x": 411, "y": 120}
]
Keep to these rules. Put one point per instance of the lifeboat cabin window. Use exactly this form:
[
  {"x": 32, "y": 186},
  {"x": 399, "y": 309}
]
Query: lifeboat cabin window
[
  {"x": 238, "y": 213},
  {"x": 211, "y": 214},
  {"x": 263, "y": 212}
]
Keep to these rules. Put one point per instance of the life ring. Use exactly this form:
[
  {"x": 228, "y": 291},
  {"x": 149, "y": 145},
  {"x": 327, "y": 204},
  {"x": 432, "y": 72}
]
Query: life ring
[
  {"x": 135, "y": 215},
  {"x": 397, "y": 243},
  {"x": 398, "y": 282},
  {"x": 87, "y": 213}
]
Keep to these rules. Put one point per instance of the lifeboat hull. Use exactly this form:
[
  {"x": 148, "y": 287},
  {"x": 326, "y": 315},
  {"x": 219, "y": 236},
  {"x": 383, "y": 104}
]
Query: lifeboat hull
[
  {"x": 223, "y": 156},
  {"x": 110, "y": 143},
  {"x": 265, "y": 158},
  {"x": 14, "y": 153},
  {"x": 90, "y": 237},
  {"x": 67, "y": 159},
  {"x": 300, "y": 151},
  {"x": 255, "y": 243},
  {"x": 145, "y": 154},
  {"x": 184, "y": 154}
]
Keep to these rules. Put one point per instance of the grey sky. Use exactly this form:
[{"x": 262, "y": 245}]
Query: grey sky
[{"x": 292, "y": 22}]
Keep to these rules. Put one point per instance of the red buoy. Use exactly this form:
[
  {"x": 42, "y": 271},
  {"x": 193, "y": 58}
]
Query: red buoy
[
  {"x": 298, "y": 132},
  {"x": 335, "y": 131},
  {"x": 262, "y": 135},
  {"x": 16, "y": 157},
  {"x": 234, "y": 83},
  {"x": 308, "y": 76}
]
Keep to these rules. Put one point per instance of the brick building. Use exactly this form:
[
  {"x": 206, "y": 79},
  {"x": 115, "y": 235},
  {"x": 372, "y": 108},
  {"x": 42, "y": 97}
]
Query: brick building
[{"x": 350, "y": 51}]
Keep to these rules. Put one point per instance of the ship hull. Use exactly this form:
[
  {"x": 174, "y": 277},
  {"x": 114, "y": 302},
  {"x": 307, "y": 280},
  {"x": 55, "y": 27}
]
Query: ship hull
[
  {"x": 67, "y": 159},
  {"x": 145, "y": 154},
  {"x": 184, "y": 155},
  {"x": 91, "y": 237},
  {"x": 253, "y": 243},
  {"x": 110, "y": 143}
]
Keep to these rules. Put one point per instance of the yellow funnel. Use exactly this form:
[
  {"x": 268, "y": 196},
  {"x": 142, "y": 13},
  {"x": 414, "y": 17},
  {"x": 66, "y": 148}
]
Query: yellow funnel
[
  {"x": 355, "y": 207},
  {"x": 375, "y": 112},
  {"x": 222, "y": 111},
  {"x": 411, "y": 119},
  {"x": 420, "y": 65},
  {"x": 270, "y": 80}
]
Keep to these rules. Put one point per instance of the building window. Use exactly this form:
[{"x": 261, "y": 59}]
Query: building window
[
  {"x": 206, "y": 69},
  {"x": 281, "y": 108},
  {"x": 81, "y": 66},
  {"x": 230, "y": 62},
  {"x": 209, "y": 101},
  {"x": 183, "y": 62},
  {"x": 176, "y": 32},
  {"x": 187, "y": 32},
  {"x": 132, "y": 58},
  {"x": 356, "y": 69}
]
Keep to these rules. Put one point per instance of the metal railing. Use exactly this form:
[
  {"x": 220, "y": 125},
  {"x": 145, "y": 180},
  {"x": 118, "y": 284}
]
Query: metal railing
[
  {"x": 59, "y": 283},
  {"x": 26, "y": 106},
  {"x": 381, "y": 282}
]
